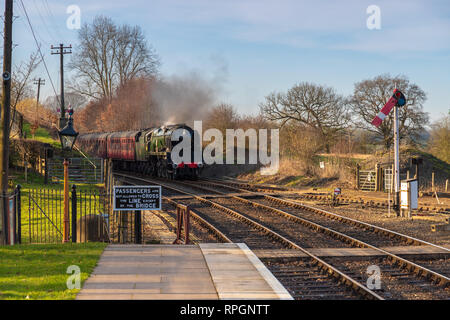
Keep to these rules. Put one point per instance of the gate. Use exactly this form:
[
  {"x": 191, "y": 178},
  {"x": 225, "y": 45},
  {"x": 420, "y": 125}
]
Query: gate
[
  {"x": 43, "y": 222},
  {"x": 90, "y": 218},
  {"x": 367, "y": 180},
  {"x": 80, "y": 170}
]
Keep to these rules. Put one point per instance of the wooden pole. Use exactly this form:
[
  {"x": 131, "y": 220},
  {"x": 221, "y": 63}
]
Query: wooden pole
[
  {"x": 5, "y": 110},
  {"x": 432, "y": 182},
  {"x": 62, "y": 50},
  {"x": 357, "y": 176},
  {"x": 377, "y": 177}
]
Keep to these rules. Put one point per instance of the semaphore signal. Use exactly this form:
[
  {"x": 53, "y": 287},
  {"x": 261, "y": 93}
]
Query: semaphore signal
[{"x": 397, "y": 100}]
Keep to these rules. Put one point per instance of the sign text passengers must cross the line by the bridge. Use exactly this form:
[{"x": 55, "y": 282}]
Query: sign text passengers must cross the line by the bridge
[{"x": 133, "y": 198}]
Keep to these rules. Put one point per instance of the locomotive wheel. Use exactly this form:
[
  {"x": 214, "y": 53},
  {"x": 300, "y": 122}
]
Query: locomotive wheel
[
  {"x": 173, "y": 175},
  {"x": 159, "y": 172}
]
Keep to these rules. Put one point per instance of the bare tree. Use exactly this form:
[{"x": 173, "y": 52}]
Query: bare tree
[
  {"x": 222, "y": 117},
  {"x": 32, "y": 112},
  {"x": 110, "y": 55},
  {"x": 21, "y": 82},
  {"x": 74, "y": 99},
  {"x": 315, "y": 106},
  {"x": 439, "y": 143},
  {"x": 131, "y": 108},
  {"x": 21, "y": 78},
  {"x": 371, "y": 95}
]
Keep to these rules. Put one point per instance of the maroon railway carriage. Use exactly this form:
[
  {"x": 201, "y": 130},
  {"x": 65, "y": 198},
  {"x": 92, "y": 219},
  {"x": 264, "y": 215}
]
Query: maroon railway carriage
[
  {"x": 94, "y": 144},
  {"x": 122, "y": 145}
]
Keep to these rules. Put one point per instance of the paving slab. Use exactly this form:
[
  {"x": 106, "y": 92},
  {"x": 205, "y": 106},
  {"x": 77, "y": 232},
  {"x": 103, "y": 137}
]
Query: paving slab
[
  {"x": 159, "y": 272},
  {"x": 248, "y": 279}
]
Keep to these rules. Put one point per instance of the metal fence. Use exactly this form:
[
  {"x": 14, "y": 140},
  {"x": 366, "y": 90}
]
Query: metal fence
[
  {"x": 90, "y": 218},
  {"x": 81, "y": 170}
]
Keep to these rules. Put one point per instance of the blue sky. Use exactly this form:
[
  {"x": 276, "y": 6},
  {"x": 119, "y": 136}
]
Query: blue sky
[{"x": 249, "y": 49}]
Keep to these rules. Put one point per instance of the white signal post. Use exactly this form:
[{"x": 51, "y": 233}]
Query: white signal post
[{"x": 396, "y": 161}]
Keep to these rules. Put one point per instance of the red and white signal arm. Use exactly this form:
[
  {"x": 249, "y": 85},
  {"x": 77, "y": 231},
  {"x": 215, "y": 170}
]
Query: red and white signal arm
[
  {"x": 337, "y": 191},
  {"x": 397, "y": 99}
]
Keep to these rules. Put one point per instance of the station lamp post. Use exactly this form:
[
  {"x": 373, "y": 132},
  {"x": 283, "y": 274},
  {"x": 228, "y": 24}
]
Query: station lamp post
[{"x": 67, "y": 137}]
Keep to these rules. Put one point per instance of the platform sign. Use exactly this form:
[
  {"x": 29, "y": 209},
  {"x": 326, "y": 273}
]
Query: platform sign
[{"x": 136, "y": 198}]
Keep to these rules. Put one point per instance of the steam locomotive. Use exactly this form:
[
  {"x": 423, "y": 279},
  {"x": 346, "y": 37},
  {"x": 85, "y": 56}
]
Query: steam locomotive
[{"x": 146, "y": 151}]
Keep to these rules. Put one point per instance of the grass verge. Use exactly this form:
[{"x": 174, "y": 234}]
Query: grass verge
[
  {"x": 38, "y": 272},
  {"x": 41, "y": 135}
]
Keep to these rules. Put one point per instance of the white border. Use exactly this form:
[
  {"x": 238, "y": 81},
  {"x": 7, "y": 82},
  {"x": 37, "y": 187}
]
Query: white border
[
  {"x": 148, "y": 209},
  {"x": 277, "y": 287}
]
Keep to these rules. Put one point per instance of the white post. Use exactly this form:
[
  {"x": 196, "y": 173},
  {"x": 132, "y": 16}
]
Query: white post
[{"x": 396, "y": 159}]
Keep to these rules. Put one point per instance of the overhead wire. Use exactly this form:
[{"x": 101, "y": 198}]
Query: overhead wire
[
  {"x": 39, "y": 49},
  {"x": 44, "y": 22},
  {"x": 52, "y": 17}
]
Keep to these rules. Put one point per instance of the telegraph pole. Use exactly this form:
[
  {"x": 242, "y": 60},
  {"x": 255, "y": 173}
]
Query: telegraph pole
[
  {"x": 5, "y": 113},
  {"x": 61, "y": 50},
  {"x": 38, "y": 82}
]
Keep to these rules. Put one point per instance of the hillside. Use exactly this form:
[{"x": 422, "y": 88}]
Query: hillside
[{"x": 340, "y": 170}]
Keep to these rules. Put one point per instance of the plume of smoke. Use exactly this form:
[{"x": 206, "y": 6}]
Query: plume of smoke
[
  {"x": 183, "y": 99},
  {"x": 188, "y": 97}
]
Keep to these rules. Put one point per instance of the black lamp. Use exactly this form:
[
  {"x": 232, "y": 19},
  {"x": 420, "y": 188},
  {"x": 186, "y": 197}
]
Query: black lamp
[{"x": 67, "y": 136}]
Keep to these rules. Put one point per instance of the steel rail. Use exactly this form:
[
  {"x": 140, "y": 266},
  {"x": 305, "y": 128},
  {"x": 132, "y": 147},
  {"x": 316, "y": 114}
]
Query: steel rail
[
  {"x": 196, "y": 217},
  {"x": 403, "y": 263},
  {"x": 324, "y": 266},
  {"x": 365, "y": 225}
]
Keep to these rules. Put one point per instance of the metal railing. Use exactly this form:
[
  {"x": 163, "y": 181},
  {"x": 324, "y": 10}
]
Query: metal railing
[
  {"x": 91, "y": 218},
  {"x": 81, "y": 170}
]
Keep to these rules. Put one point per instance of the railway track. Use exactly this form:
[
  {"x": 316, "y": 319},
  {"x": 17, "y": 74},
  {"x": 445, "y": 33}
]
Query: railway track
[
  {"x": 368, "y": 202},
  {"x": 256, "y": 236},
  {"x": 291, "y": 230},
  {"x": 408, "y": 274},
  {"x": 374, "y": 233}
]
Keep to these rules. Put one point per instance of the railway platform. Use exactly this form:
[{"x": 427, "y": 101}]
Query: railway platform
[{"x": 158, "y": 272}]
